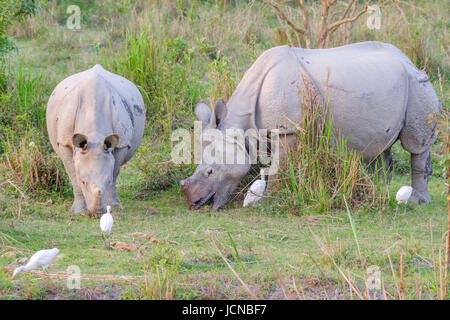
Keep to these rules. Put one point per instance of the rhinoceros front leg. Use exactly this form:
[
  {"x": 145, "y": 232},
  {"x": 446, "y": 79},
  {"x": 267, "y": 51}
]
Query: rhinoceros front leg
[
  {"x": 383, "y": 164},
  {"x": 421, "y": 169},
  {"x": 114, "y": 200},
  {"x": 119, "y": 156},
  {"x": 287, "y": 143},
  {"x": 79, "y": 203}
]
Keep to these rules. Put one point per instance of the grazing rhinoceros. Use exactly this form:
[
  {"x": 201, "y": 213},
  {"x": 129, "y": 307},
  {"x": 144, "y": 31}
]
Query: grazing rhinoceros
[
  {"x": 375, "y": 93},
  {"x": 95, "y": 122}
]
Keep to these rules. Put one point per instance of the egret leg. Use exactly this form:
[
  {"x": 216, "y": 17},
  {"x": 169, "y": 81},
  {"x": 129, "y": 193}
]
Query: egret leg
[{"x": 106, "y": 241}]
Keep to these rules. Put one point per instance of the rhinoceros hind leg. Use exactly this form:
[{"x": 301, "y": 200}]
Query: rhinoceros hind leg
[
  {"x": 383, "y": 164},
  {"x": 287, "y": 143},
  {"x": 388, "y": 162},
  {"x": 421, "y": 169}
]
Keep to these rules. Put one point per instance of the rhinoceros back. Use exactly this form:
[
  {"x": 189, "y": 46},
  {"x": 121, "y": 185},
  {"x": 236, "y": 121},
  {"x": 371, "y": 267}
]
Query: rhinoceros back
[
  {"x": 377, "y": 87},
  {"x": 96, "y": 103}
]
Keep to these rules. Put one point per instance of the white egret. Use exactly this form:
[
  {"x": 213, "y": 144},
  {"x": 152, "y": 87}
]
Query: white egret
[
  {"x": 106, "y": 221},
  {"x": 42, "y": 259},
  {"x": 403, "y": 194},
  {"x": 256, "y": 191}
]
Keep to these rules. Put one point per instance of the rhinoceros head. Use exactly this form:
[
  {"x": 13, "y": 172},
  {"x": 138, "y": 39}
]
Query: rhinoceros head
[
  {"x": 94, "y": 165},
  {"x": 213, "y": 180}
]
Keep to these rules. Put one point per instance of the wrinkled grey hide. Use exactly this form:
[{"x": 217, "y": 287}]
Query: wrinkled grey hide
[
  {"x": 376, "y": 96},
  {"x": 95, "y": 122}
]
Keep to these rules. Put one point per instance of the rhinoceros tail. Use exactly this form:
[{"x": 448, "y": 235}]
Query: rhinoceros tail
[{"x": 422, "y": 114}]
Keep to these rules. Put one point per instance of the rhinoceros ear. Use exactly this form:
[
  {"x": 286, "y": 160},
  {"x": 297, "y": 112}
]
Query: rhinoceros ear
[
  {"x": 220, "y": 111},
  {"x": 111, "y": 141},
  {"x": 80, "y": 141},
  {"x": 203, "y": 113}
]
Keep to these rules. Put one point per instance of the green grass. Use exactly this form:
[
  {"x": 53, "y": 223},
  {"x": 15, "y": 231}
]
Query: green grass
[
  {"x": 194, "y": 52},
  {"x": 195, "y": 265}
]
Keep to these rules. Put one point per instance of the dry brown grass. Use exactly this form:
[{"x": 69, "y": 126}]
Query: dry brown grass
[{"x": 29, "y": 169}]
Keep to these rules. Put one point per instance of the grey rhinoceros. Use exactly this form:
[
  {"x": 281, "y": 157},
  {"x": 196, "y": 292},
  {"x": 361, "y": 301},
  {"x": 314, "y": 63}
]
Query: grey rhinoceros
[
  {"x": 95, "y": 122},
  {"x": 375, "y": 93}
]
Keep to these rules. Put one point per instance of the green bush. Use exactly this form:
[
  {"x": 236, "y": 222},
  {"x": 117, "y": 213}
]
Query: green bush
[{"x": 27, "y": 160}]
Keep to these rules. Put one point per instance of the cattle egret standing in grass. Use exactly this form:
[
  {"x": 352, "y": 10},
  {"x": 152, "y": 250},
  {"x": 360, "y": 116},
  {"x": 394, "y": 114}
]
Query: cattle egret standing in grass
[
  {"x": 256, "y": 191},
  {"x": 403, "y": 194},
  {"x": 42, "y": 259},
  {"x": 106, "y": 221}
]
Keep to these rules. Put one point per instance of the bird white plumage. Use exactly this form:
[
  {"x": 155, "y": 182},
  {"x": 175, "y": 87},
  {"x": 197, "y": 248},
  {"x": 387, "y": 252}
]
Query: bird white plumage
[
  {"x": 403, "y": 194},
  {"x": 256, "y": 191},
  {"x": 41, "y": 259},
  {"x": 106, "y": 221}
]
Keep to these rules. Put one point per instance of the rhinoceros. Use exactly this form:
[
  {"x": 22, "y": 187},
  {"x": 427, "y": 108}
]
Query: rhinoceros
[
  {"x": 95, "y": 122},
  {"x": 374, "y": 92}
]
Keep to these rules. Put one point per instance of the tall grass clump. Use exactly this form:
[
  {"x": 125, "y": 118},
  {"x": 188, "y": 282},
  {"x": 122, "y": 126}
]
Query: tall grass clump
[
  {"x": 322, "y": 171},
  {"x": 22, "y": 105},
  {"x": 222, "y": 77},
  {"x": 27, "y": 162},
  {"x": 29, "y": 168},
  {"x": 163, "y": 71},
  {"x": 160, "y": 270}
]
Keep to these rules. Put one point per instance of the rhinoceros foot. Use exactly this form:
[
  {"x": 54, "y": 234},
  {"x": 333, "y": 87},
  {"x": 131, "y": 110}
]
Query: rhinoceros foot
[
  {"x": 114, "y": 200},
  {"x": 116, "y": 203},
  {"x": 420, "y": 197},
  {"x": 79, "y": 206}
]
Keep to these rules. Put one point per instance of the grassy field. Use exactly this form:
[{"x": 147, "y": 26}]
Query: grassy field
[
  {"x": 181, "y": 251},
  {"x": 179, "y": 54}
]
